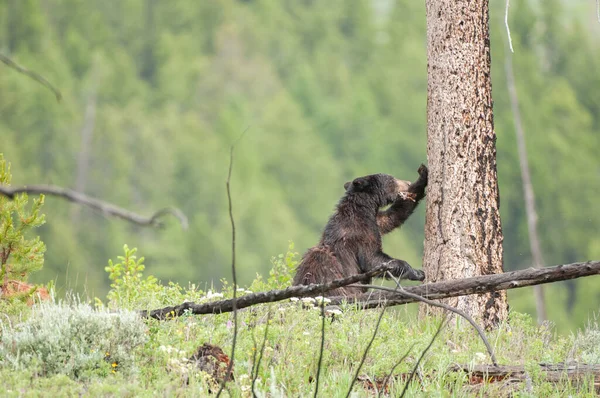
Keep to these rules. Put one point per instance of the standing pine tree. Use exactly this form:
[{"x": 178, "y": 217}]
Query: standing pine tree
[{"x": 463, "y": 235}]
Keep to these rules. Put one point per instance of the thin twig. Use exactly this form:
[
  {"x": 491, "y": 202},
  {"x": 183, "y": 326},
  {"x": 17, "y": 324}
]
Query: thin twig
[
  {"x": 105, "y": 208},
  {"x": 401, "y": 290},
  {"x": 412, "y": 374},
  {"x": 35, "y": 76},
  {"x": 389, "y": 376},
  {"x": 322, "y": 345},
  {"x": 507, "y": 28},
  {"x": 234, "y": 276},
  {"x": 262, "y": 350},
  {"x": 364, "y": 356}
]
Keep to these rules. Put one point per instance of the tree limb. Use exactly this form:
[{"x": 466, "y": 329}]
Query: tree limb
[
  {"x": 431, "y": 291},
  {"x": 480, "y": 284},
  {"x": 448, "y": 308},
  {"x": 550, "y": 372},
  {"x": 38, "y": 78},
  {"x": 106, "y": 208},
  {"x": 218, "y": 307}
]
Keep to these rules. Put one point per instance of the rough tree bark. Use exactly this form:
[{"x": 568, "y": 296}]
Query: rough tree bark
[{"x": 463, "y": 235}]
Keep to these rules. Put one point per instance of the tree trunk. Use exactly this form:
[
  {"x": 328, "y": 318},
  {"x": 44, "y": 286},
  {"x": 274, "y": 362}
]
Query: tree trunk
[
  {"x": 463, "y": 236},
  {"x": 83, "y": 156}
]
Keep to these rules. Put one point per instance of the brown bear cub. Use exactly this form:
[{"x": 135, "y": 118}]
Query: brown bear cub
[{"x": 351, "y": 241}]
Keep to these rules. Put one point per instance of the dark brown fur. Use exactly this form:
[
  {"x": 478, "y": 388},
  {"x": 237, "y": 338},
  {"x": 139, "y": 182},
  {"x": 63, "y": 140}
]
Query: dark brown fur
[{"x": 351, "y": 241}]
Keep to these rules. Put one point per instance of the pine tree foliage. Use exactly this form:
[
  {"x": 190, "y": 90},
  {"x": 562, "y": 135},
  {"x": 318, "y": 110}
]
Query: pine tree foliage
[{"x": 329, "y": 91}]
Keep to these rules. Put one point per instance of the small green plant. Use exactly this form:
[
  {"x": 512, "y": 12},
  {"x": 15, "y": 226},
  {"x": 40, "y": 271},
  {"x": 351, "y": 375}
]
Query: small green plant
[
  {"x": 72, "y": 339},
  {"x": 280, "y": 275},
  {"x": 18, "y": 256},
  {"x": 284, "y": 267},
  {"x": 128, "y": 287}
]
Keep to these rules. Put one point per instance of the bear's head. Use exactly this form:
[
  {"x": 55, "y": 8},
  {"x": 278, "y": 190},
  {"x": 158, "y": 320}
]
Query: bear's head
[{"x": 384, "y": 189}]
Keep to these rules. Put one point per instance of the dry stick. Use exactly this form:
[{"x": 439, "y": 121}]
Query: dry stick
[
  {"x": 506, "y": 25},
  {"x": 364, "y": 356},
  {"x": 322, "y": 344},
  {"x": 218, "y": 307},
  {"x": 38, "y": 78},
  {"x": 534, "y": 241},
  {"x": 432, "y": 291},
  {"x": 235, "y": 323},
  {"x": 262, "y": 350},
  {"x": 446, "y": 307},
  {"x": 387, "y": 378},
  {"x": 105, "y": 208},
  {"x": 412, "y": 374}
]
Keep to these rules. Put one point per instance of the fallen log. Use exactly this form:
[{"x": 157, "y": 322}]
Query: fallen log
[
  {"x": 555, "y": 373},
  {"x": 479, "y": 284},
  {"x": 432, "y": 291}
]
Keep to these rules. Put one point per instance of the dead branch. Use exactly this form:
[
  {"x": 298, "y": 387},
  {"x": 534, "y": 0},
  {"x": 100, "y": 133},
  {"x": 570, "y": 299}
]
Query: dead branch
[
  {"x": 528, "y": 193},
  {"x": 321, "y": 349},
  {"x": 431, "y": 291},
  {"x": 37, "y": 77},
  {"x": 479, "y": 284},
  {"x": 235, "y": 323},
  {"x": 105, "y": 208},
  {"x": 218, "y": 307},
  {"x": 446, "y": 307},
  {"x": 256, "y": 364},
  {"x": 553, "y": 373}
]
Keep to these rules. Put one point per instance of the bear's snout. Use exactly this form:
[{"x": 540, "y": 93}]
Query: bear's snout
[{"x": 402, "y": 186}]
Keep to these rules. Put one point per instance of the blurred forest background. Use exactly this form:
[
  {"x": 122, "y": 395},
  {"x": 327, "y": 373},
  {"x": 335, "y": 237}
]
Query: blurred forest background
[{"x": 155, "y": 92}]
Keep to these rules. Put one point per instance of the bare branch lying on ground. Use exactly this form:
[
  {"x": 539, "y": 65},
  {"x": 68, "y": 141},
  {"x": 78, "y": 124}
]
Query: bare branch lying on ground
[
  {"x": 478, "y": 284},
  {"x": 105, "y": 208},
  {"x": 431, "y": 291},
  {"x": 35, "y": 76},
  {"x": 553, "y": 373},
  {"x": 218, "y": 307}
]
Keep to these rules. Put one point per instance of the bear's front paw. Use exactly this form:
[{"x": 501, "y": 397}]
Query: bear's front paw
[
  {"x": 418, "y": 186},
  {"x": 423, "y": 172},
  {"x": 418, "y": 275}
]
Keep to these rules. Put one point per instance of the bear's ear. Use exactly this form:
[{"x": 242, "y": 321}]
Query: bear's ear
[
  {"x": 360, "y": 184},
  {"x": 347, "y": 185}
]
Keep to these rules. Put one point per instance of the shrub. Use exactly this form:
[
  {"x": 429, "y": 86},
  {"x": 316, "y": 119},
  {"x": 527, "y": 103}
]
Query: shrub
[
  {"x": 72, "y": 339},
  {"x": 18, "y": 256}
]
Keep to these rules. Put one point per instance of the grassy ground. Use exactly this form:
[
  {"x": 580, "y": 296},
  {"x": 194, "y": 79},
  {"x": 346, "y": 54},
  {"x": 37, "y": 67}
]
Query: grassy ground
[
  {"x": 99, "y": 349},
  {"x": 289, "y": 363}
]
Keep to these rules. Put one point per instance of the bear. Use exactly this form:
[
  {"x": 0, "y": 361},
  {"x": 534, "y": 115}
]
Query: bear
[{"x": 351, "y": 241}]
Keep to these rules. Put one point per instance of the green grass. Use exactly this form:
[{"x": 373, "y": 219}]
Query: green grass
[
  {"x": 101, "y": 348},
  {"x": 292, "y": 348}
]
